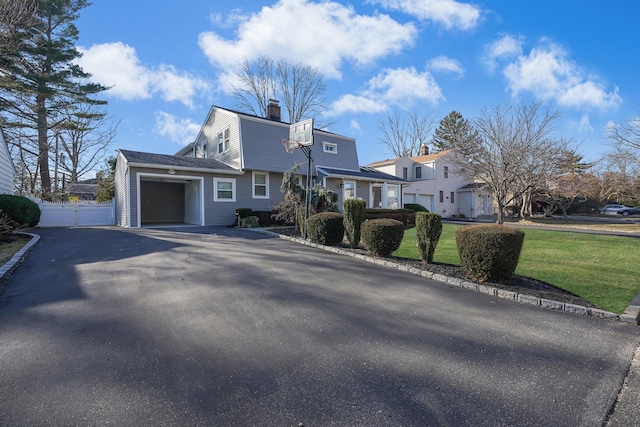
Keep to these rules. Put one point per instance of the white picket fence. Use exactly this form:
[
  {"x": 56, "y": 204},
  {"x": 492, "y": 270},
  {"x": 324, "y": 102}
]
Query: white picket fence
[{"x": 70, "y": 214}]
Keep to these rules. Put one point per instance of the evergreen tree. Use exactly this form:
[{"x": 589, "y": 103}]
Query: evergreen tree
[
  {"x": 39, "y": 81},
  {"x": 452, "y": 130}
]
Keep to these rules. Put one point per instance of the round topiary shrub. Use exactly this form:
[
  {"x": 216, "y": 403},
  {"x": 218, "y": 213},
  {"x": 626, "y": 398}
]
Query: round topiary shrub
[
  {"x": 21, "y": 210},
  {"x": 325, "y": 228},
  {"x": 489, "y": 252},
  {"x": 382, "y": 236}
]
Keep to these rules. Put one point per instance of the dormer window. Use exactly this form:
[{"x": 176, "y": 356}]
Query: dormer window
[{"x": 329, "y": 147}]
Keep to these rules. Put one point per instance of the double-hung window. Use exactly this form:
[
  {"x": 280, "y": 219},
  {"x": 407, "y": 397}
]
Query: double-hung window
[
  {"x": 418, "y": 172},
  {"x": 446, "y": 172},
  {"x": 224, "y": 189},
  {"x": 441, "y": 196},
  {"x": 223, "y": 141},
  {"x": 453, "y": 197},
  {"x": 260, "y": 185}
]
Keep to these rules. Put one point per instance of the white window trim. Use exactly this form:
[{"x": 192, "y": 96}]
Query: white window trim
[
  {"x": 223, "y": 143},
  {"x": 215, "y": 189},
  {"x": 344, "y": 190},
  {"x": 266, "y": 184},
  {"x": 329, "y": 147}
]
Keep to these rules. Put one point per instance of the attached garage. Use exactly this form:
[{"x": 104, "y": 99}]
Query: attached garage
[
  {"x": 157, "y": 189},
  {"x": 170, "y": 200}
]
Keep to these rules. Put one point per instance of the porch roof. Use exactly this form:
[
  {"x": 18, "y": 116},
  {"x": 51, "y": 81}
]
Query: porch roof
[{"x": 364, "y": 174}]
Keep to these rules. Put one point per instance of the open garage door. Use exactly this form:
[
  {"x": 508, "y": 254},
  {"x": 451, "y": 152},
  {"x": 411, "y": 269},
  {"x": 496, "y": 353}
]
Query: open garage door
[{"x": 165, "y": 201}]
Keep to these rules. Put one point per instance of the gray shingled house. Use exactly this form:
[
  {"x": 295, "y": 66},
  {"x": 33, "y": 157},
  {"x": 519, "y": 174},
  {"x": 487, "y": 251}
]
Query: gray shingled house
[{"x": 237, "y": 161}]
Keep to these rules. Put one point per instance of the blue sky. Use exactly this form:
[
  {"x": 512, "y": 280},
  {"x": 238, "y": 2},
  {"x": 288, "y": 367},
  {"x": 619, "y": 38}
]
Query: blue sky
[{"x": 168, "y": 63}]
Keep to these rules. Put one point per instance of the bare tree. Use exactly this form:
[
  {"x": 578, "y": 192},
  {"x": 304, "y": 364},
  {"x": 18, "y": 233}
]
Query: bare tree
[
  {"x": 625, "y": 137},
  {"x": 82, "y": 140},
  {"x": 404, "y": 136},
  {"x": 618, "y": 174},
  {"x": 300, "y": 87},
  {"x": 515, "y": 149},
  {"x": 257, "y": 85},
  {"x": 16, "y": 17}
]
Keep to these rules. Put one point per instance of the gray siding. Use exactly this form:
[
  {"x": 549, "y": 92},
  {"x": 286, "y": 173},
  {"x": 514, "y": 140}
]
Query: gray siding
[
  {"x": 217, "y": 121},
  {"x": 263, "y": 150},
  {"x": 7, "y": 171},
  {"x": 120, "y": 191}
]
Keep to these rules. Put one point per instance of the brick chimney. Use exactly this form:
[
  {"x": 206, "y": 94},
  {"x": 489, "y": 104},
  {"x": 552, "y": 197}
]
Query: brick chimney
[
  {"x": 273, "y": 110},
  {"x": 424, "y": 150}
]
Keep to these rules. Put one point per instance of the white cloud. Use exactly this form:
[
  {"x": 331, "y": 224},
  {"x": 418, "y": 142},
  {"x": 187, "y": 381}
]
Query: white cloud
[
  {"x": 585, "y": 124},
  {"x": 449, "y": 13},
  {"x": 549, "y": 75},
  {"x": 447, "y": 65},
  {"x": 322, "y": 35},
  {"x": 506, "y": 47},
  {"x": 400, "y": 87},
  {"x": 182, "y": 131},
  {"x": 117, "y": 65}
]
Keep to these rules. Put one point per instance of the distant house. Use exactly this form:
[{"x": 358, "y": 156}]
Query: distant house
[
  {"x": 237, "y": 161},
  {"x": 434, "y": 185},
  {"x": 83, "y": 190},
  {"x": 7, "y": 170}
]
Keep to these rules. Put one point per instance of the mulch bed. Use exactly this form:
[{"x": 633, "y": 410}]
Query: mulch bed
[{"x": 516, "y": 283}]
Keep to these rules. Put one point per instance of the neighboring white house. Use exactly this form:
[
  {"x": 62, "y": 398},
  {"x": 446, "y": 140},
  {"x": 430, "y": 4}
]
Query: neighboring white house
[
  {"x": 7, "y": 170},
  {"x": 434, "y": 185}
]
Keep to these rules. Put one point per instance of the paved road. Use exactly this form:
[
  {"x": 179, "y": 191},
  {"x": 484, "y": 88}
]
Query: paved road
[{"x": 215, "y": 326}]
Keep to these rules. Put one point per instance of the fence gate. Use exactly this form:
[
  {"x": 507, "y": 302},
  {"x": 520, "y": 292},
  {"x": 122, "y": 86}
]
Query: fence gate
[{"x": 72, "y": 214}]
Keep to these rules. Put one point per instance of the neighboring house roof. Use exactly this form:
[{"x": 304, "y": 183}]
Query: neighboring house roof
[
  {"x": 417, "y": 159},
  {"x": 473, "y": 186},
  {"x": 137, "y": 158},
  {"x": 365, "y": 173},
  {"x": 81, "y": 188},
  {"x": 430, "y": 157}
]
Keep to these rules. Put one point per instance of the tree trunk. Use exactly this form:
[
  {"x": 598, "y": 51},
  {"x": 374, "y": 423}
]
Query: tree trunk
[{"x": 43, "y": 148}]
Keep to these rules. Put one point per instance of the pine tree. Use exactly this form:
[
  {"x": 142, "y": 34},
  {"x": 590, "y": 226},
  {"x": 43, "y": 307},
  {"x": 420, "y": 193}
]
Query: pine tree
[
  {"x": 452, "y": 130},
  {"x": 39, "y": 80}
]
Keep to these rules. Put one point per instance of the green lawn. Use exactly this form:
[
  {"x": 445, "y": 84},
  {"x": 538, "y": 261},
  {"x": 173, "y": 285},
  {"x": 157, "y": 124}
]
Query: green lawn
[{"x": 602, "y": 269}]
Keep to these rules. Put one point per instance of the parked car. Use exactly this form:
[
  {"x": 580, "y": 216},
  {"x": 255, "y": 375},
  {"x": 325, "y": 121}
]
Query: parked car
[
  {"x": 612, "y": 209},
  {"x": 629, "y": 211}
]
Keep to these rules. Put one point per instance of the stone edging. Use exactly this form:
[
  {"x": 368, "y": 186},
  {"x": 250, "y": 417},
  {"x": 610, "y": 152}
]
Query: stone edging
[
  {"x": 10, "y": 265},
  {"x": 490, "y": 290}
]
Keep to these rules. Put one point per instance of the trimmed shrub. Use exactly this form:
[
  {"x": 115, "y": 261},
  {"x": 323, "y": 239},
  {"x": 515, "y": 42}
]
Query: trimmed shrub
[
  {"x": 415, "y": 207},
  {"x": 489, "y": 252},
  {"x": 354, "y": 215},
  {"x": 325, "y": 228},
  {"x": 382, "y": 236},
  {"x": 428, "y": 230},
  {"x": 250, "y": 222},
  {"x": 21, "y": 210},
  {"x": 405, "y": 216}
]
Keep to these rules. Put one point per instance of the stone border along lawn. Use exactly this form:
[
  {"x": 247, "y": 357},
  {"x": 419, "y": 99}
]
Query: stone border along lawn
[
  {"x": 17, "y": 258},
  {"x": 476, "y": 287}
]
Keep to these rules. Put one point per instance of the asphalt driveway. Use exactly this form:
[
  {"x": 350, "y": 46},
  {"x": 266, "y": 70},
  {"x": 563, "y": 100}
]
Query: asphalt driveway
[{"x": 217, "y": 326}]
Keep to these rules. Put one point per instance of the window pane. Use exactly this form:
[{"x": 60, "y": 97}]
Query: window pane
[
  {"x": 260, "y": 179},
  {"x": 349, "y": 190},
  {"x": 225, "y": 194},
  {"x": 222, "y": 185},
  {"x": 260, "y": 190}
]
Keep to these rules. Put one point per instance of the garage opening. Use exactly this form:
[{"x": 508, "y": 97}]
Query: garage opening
[{"x": 168, "y": 201}]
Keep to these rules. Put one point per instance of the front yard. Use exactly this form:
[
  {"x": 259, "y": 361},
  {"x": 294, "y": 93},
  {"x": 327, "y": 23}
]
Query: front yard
[{"x": 602, "y": 269}]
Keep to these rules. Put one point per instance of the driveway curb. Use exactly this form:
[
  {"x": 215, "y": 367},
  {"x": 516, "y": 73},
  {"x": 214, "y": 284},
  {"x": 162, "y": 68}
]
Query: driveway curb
[
  {"x": 17, "y": 258},
  {"x": 490, "y": 290}
]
